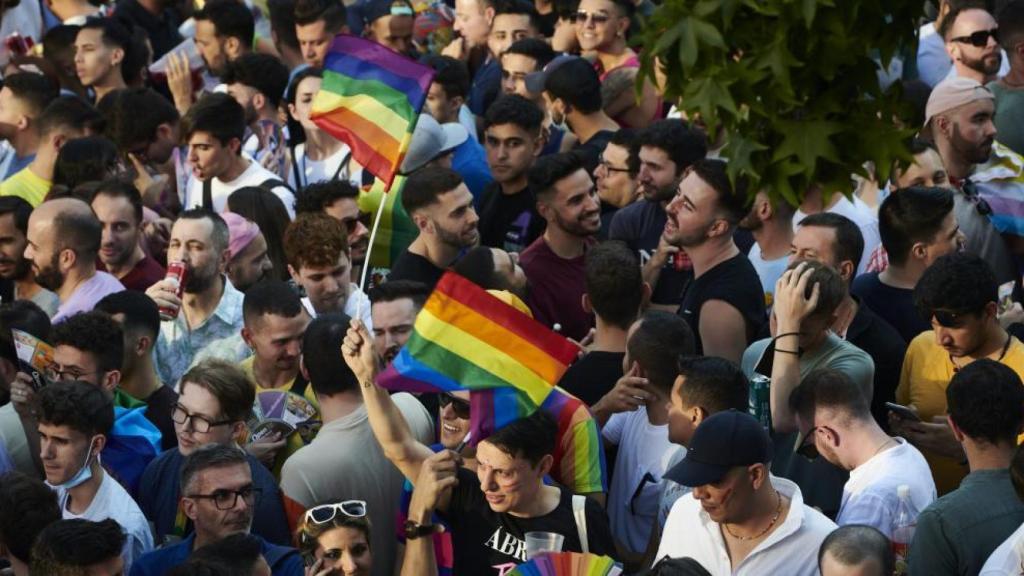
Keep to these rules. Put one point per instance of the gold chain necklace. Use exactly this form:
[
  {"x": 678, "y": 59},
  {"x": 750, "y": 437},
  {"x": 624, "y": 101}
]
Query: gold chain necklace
[{"x": 775, "y": 518}]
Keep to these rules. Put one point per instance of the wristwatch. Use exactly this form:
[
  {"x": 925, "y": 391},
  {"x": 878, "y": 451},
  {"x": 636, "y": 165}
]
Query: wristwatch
[{"x": 414, "y": 530}]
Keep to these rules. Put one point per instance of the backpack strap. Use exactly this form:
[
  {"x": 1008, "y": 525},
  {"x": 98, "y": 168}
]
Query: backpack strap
[
  {"x": 208, "y": 195},
  {"x": 295, "y": 169},
  {"x": 343, "y": 167},
  {"x": 579, "y": 512},
  {"x": 271, "y": 183}
]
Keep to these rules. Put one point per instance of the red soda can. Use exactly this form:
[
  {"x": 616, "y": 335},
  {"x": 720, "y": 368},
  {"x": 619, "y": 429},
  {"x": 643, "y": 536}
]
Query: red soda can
[{"x": 177, "y": 273}]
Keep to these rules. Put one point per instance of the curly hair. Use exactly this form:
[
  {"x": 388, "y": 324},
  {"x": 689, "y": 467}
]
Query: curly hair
[
  {"x": 315, "y": 239},
  {"x": 95, "y": 333},
  {"x": 78, "y": 405},
  {"x": 26, "y": 507},
  {"x": 71, "y": 546},
  {"x": 959, "y": 283}
]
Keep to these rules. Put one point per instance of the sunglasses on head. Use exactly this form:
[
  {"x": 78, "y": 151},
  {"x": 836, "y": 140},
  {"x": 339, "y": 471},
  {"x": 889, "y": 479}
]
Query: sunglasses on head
[
  {"x": 980, "y": 38},
  {"x": 460, "y": 406},
  {"x": 326, "y": 512}
]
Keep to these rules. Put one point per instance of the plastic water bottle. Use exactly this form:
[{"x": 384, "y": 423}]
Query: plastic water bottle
[{"x": 903, "y": 529}]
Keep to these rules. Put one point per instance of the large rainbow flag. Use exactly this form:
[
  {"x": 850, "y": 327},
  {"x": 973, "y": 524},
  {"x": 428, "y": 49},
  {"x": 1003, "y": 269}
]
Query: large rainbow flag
[
  {"x": 467, "y": 339},
  {"x": 370, "y": 98}
]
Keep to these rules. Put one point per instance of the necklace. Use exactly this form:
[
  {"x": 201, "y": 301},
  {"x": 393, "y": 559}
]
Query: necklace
[
  {"x": 775, "y": 518},
  {"x": 1006, "y": 348},
  {"x": 884, "y": 444}
]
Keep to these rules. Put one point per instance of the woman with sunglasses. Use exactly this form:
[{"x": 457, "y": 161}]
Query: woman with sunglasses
[
  {"x": 602, "y": 27},
  {"x": 335, "y": 539}
]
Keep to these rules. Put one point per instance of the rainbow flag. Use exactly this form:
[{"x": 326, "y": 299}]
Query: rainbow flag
[
  {"x": 396, "y": 229},
  {"x": 568, "y": 564},
  {"x": 467, "y": 339},
  {"x": 370, "y": 98}
]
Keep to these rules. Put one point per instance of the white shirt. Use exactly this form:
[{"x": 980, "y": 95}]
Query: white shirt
[
  {"x": 769, "y": 271},
  {"x": 791, "y": 550},
  {"x": 861, "y": 214},
  {"x": 254, "y": 175},
  {"x": 1008, "y": 558},
  {"x": 643, "y": 456},
  {"x": 356, "y": 306},
  {"x": 313, "y": 171},
  {"x": 869, "y": 496},
  {"x": 112, "y": 501}
]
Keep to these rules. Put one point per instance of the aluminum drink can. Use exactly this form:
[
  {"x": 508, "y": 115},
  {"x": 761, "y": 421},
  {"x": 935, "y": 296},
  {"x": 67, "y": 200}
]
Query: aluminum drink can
[{"x": 177, "y": 273}]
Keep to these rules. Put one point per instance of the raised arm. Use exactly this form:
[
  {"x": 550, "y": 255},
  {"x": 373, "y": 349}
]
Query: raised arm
[
  {"x": 386, "y": 420},
  {"x": 791, "y": 308}
]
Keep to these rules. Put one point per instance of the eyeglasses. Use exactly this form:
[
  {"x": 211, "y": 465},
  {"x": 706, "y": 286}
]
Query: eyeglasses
[
  {"x": 326, "y": 512},
  {"x": 581, "y": 18},
  {"x": 979, "y": 38},
  {"x": 228, "y": 499},
  {"x": 604, "y": 164},
  {"x": 460, "y": 406},
  {"x": 56, "y": 372},
  {"x": 809, "y": 449},
  {"x": 200, "y": 424}
]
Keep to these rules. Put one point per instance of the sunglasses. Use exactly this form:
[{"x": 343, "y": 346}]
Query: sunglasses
[
  {"x": 460, "y": 406},
  {"x": 809, "y": 449},
  {"x": 326, "y": 512},
  {"x": 581, "y": 18},
  {"x": 979, "y": 38}
]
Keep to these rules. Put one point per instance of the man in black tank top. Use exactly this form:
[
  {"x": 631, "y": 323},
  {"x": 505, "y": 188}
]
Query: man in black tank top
[{"x": 723, "y": 303}]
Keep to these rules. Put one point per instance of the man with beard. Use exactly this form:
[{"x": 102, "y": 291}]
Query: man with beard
[
  {"x": 737, "y": 505},
  {"x": 249, "y": 263},
  {"x": 118, "y": 205},
  {"x": 971, "y": 41},
  {"x": 771, "y": 223},
  {"x": 512, "y": 138},
  {"x": 14, "y": 267},
  {"x": 555, "y": 262},
  {"x": 219, "y": 497},
  {"x": 224, "y": 32},
  {"x": 318, "y": 261},
  {"x": 339, "y": 199},
  {"x": 724, "y": 304},
  {"x": 63, "y": 241},
  {"x": 216, "y": 127},
  {"x": 441, "y": 207},
  {"x": 665, "y": 150},
  {"x": 615, "y": 177},
  {"x": 210, "y": 307},
  {"x": 258, "y": 82}
]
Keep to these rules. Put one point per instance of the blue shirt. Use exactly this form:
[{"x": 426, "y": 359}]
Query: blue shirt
[
  {"x": 470, "y": 161},
  {"x": 160, "y": 488},
  {"x": 485, "y": 88},
  {"x": 283, "y": 561}
]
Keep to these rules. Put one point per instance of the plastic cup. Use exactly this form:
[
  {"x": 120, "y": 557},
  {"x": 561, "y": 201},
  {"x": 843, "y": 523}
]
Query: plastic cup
[{"x": 538, "y": 543}]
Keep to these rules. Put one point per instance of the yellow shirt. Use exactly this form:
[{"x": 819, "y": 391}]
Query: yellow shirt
[
  {"x": 295, "y": 441},
  {"x": 26, "y": 184},
  {"x": 927, "y": 370}
]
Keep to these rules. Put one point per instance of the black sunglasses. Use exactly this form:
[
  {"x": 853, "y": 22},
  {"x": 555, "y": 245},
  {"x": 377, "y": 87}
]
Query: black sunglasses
[
  {"x": 979, "y": 38},
  {"x": 809, "y": 449},
  {"x": 460, "y": 406}
]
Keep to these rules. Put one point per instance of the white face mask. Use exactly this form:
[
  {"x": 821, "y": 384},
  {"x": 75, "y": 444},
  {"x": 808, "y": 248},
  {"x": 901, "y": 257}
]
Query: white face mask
[{"x": 83, "y": 475}]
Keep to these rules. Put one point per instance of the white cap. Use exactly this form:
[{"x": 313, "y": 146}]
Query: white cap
[{"x": 954, "y": 93}]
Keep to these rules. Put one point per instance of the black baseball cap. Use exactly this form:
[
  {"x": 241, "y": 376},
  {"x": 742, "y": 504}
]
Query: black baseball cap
[
  {"x": 375, "y": 9},
  {"x": 536, "y": 82},
  {"x": 722, "y": 442}
]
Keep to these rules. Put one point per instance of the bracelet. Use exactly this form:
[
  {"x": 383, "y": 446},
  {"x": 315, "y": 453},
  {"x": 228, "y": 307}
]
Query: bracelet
[
  {"x": 793, "y": 352},
  {"x": 784, "y": 334}
]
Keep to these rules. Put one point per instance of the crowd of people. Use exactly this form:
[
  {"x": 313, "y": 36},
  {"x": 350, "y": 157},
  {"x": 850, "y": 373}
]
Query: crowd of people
[{"x": 193, "y": 319}]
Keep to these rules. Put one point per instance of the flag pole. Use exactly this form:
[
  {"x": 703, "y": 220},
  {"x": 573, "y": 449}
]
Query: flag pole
[{"x": 369, "y": 251}]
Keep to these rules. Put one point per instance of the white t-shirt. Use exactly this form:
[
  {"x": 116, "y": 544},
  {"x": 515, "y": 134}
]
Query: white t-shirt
[
  {"x": 1008, "y": 558},
  {"x": 869, "y": 496},
  {"x": 644, "y": 453},
  {"x": 792, "y": 549},
  {"x": 254, "y": 175},
  {"x": 357, "y": 305},
  {"x": 769, "y": 271},
  {"x": 313, "y": 171},
  {"x": 112, "y": 501},
  {"x": 861, "y": 214}
]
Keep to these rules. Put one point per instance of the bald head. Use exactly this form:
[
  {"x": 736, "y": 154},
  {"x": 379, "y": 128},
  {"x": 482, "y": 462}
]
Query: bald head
[
  {"x": 62, "y": 234},
  {"x": 855, "y": 550}
]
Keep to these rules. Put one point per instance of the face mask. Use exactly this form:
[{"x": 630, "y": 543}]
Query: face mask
[{"x": 84, "y": 474}]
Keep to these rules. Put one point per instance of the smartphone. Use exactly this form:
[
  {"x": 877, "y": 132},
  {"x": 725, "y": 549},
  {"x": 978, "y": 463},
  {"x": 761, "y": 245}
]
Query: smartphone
[{"x": 902, "y": 412}]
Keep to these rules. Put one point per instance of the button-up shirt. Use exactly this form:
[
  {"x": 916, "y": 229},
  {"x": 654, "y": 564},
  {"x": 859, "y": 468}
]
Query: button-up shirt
[
  {"x": 177, "y": 345},
  {"x": 792, "y": 549}
]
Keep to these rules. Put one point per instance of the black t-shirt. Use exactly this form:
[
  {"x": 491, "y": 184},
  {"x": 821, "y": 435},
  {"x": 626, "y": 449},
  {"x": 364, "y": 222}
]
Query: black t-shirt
[
  {"x": 159, "y": 406},
  {"x": 887, "y": 348},
  {"x": 733, "y": 281},
  {"x": 411, "y": 266},
  {"x": 488, "y": 543},
  {"x": 509, "y": 221},
  {"x": 591, "y": 150},
  {"x": 894, "y": 305},
  {"x": 640, "y": 226},
  {"x": 593, "y": 376}
]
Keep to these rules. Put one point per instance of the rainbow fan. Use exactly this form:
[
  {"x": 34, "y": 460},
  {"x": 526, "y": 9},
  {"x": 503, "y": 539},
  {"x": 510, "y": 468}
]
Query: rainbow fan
[{"x": 568, "y": 564}]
